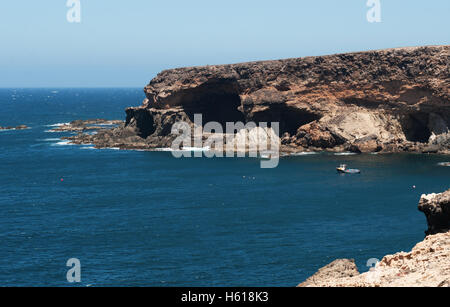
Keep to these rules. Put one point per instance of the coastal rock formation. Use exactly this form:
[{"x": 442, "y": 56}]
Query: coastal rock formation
[
  {"x": 86, "y": 125},
  {"x": 337, "y": 270},
  {"x": 390, "y": 100},
  {"x": 20, "y": 127},
  {"x": 436, "y": 208},
  {"x": 428, "y": 264}
]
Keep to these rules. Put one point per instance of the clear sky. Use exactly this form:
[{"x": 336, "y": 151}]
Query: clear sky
[{"x": 126, "y": 43}]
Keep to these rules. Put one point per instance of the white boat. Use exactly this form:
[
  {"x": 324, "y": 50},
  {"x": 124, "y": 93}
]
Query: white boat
[{"x": 342, "y": 169}]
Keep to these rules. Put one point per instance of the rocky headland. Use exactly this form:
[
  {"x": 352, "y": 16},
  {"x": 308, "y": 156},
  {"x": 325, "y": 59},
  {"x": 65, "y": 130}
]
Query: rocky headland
[
  {"x": 426, "y": 265},
  {"x": 394, "y": 100}
]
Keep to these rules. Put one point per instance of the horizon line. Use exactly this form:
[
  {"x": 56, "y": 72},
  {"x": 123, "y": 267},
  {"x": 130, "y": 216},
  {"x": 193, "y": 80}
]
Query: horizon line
[{"x": 69, "y": 87}]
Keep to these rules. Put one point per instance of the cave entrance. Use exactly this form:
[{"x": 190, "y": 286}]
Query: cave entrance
[
  {"x": 142, "y": 120},
  {"x": 290, "y": 118},
  {"x": 415, "y": 127},
  {"x": 217, "y": 101}
]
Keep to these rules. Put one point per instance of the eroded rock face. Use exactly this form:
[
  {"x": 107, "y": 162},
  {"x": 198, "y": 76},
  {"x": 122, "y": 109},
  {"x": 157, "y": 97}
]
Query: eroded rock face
[
  {"x": 388, "y": 100},
  {"x": 436, "y": 208}
]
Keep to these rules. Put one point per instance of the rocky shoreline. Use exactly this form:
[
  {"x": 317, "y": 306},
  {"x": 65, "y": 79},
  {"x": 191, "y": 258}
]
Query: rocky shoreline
[
  {"x": 87, "y": 125},
  {"x": 387, "y": 101},
  {"x": 426, "y": 265}
]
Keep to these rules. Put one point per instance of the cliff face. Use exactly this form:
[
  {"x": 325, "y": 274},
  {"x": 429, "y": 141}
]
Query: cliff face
[
  {"x": 428, "y": 264},
  {"x": 388, "y": 100}
]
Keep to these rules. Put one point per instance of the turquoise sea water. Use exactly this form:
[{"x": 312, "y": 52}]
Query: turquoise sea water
[{"x": 148, "y": 219}]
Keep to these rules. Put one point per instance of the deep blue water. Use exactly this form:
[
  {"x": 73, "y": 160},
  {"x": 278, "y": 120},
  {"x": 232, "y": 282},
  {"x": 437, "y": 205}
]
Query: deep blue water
[{"x": 148, "y": 219}]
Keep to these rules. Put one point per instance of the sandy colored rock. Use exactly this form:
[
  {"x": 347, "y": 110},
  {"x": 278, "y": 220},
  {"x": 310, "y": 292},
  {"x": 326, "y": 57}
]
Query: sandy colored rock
[
  {"x": 427, "y": 265},
  {"x": 338, "y": 269}
]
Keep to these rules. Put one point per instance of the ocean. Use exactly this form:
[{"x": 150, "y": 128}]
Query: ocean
[{"x": 137, "y": 218}]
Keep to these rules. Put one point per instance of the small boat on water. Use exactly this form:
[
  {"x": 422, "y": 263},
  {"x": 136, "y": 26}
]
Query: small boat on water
[
  {"x": 342, "y": 169},
  {"x": 444, "y": 164}
]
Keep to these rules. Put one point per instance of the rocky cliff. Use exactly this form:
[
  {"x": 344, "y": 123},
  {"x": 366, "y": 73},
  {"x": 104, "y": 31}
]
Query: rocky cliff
[
  {"x": 427, "y": 264},
  {"x": 436, "y": 208},
  {"x": 388, "y": 100}
]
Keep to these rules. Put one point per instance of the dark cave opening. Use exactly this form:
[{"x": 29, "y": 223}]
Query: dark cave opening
[
  {"x": 217, "y": 102},
  {"x": 143, "y": 121},
  {"x": 290, "y": 118},
  {"x": 415, "y": 127}
]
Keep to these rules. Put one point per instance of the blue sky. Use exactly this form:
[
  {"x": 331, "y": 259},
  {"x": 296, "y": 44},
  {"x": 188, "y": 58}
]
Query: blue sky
[{"x": 126, "y": 43}]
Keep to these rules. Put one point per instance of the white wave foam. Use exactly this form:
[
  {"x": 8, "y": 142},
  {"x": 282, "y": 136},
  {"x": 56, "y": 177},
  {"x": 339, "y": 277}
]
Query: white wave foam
[
  {"x": 444, "y": 164},
  {"x": 50, "y": 140},
  {"x": 207, "y": 148},
  {"x": 345, "y": 154},
  {"x": 57, "y": 125},
  {"x": 63, "y": 143},
  {"x": 112, "y": 148},
  {"x": 304, "y": 153},
  {"x": 14, "y": 129}
]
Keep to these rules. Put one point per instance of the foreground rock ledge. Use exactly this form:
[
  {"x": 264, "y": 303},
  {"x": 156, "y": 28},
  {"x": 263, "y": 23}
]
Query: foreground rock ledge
[
  {"x": 427, "y": 265},
  {"x": 394, "y": 100}
]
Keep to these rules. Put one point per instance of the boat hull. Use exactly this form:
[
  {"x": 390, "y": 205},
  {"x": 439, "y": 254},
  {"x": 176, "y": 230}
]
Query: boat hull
[{"x": 348, "y": 171}]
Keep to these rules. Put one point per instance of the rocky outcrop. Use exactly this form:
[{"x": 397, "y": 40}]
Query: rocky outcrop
[
  {"x": 377, "y": 101},
  {"x": 20, "y": 127},
  {"x": 436, "y": 208},
  {"x": 337, "y": 270},
  {"x": 428, "y": 264},
  {"x": 87, "y": 125}
]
